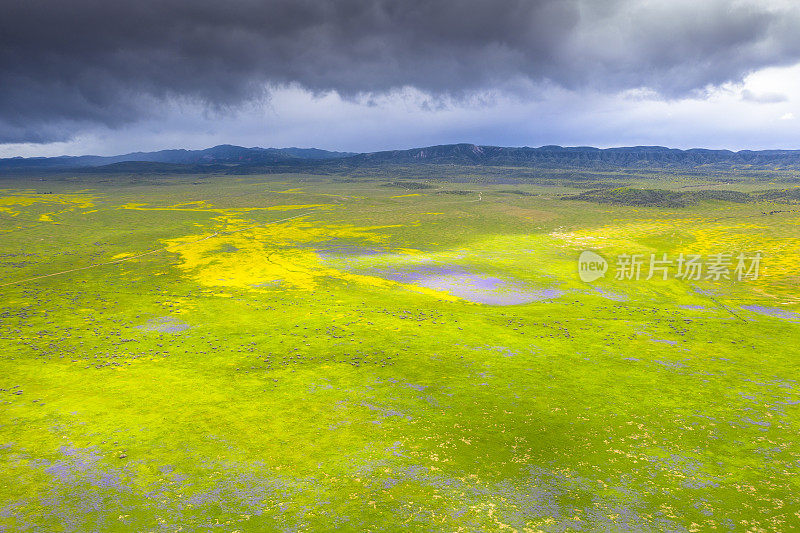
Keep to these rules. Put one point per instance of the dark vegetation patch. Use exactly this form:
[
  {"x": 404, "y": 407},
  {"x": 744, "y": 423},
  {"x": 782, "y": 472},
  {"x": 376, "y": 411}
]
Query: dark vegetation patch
[
  {"x": 780, "y": 195},
  {"x": 458, "y": 192},
  {"x": 410, "y": 185},
  {"x": 633, "y": 197},
  {"x": 588, "y": 184},
  {"x": 657, "y": 197},
  {"x": 725, "y": 196},
  {"x": 516, "y": 191}
]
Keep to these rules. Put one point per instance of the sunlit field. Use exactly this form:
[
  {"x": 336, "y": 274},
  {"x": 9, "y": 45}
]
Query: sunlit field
[{"x": 382, "y": 353}]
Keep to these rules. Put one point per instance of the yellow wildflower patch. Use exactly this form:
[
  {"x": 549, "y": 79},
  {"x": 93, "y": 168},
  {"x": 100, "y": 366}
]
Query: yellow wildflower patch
[
  {"x": 15, "y": 205},
  {"x": 205, "y": 207},
  {"x": 254, "y": 257}
]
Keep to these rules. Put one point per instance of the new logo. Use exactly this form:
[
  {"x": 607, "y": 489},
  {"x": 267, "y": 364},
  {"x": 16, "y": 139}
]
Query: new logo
[{"x": 591, "y": 266}]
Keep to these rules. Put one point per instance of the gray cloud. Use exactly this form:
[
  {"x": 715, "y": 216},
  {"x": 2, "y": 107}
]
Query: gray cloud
[
  {"x": 65, "y": 66},
  {"x": 764, "y": 98}
]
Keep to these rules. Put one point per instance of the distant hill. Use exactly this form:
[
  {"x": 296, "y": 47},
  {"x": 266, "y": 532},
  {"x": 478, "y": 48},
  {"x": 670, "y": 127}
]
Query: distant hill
[
  {"x": 225, "y": 154},
  {"x": 228, "y": 158},
  {"x": 580, "y": 157}
]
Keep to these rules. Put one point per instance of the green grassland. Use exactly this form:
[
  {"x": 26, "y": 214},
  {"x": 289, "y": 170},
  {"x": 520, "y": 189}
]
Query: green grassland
[{"x": 238, "y": 353}]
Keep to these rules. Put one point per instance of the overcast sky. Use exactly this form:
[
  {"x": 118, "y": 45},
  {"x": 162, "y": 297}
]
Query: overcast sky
[{"x": 108, "y": 77}]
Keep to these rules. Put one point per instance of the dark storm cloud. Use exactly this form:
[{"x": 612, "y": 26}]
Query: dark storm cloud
[{"x": 68, "y": 65}]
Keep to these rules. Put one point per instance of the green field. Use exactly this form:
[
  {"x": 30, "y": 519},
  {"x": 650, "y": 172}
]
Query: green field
[{"x": 390, "y": 351}]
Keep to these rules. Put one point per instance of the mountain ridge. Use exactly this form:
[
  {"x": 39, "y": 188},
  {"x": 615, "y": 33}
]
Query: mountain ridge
[
  {"x": 220, "y": 154},
  {"x": 237, "y": 158}
]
